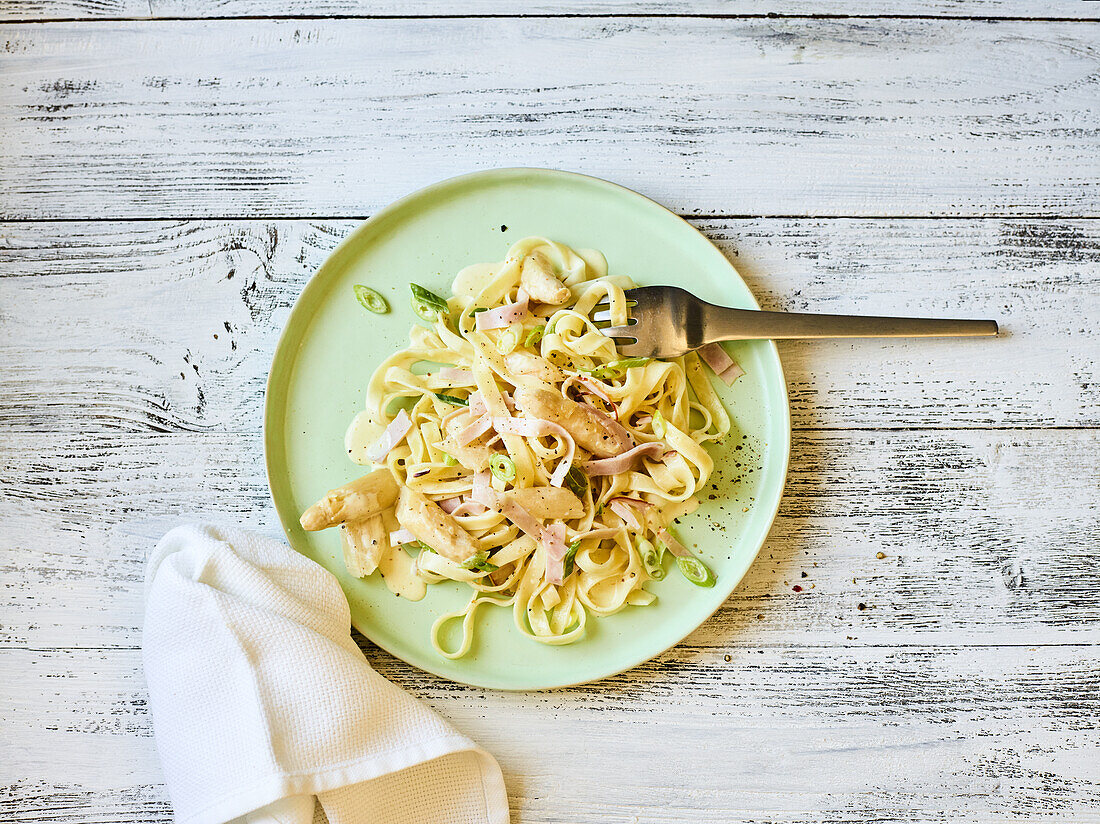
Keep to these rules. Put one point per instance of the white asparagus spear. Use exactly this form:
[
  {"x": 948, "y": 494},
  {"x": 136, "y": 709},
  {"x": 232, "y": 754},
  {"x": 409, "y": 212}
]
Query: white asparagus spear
[
  {"x": 538, "y": 280},
  {"x": 597, "y": 433},
  {"x": 363, "y": 543},
  {"x": 355, "y": 501},
  {"x": 528, "y": 365},
  {"x": 547, "y": 501}
]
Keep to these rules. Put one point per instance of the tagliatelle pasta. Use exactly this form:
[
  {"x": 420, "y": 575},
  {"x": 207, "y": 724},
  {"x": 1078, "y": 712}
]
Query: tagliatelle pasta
[{"x": 526, "y": 458}]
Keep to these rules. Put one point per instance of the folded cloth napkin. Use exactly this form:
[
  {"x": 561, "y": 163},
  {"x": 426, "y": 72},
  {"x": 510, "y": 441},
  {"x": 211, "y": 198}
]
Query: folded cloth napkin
[{"x": 262, "y": 702}]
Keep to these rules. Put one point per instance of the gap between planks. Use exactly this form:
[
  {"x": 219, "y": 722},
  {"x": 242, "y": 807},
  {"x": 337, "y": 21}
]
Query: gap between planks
[
  {"x": 962, "y": 18},
  {"x": 165, "y": 218},
  {"x": 368, "y": 646}
]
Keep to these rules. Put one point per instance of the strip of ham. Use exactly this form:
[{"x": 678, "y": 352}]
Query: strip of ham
[
  {"x": 482, "y": 492},
  {"x": 474, "y": 430},
  {"x": 624, "y": 511},
  {"x": 530, "y": 428},
  {"x": 469, "y": 508},
  {"x": 449, "y": 505},
  {"x": 674, "y": 546},
  {"x": 521, "y": 517},
  {"x": 401, "y": 536},
  {"x": 730, "y": 374},
  {"x": 721, "y": 363},
  {"x": 504, "y": 315},
  {"x": 715, "y": 356},
  {"x": 552, "y": 539},
  {"x": 621, "y": 463},
  {"x": 394, "y": 434},
  {"x": 477, "y": 404}
]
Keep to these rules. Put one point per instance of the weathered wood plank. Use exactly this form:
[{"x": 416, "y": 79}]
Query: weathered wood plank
[
  {"x": 79, "y": 354},
  {"x": 98, "y": 9},
  {"x": 293, "y": 118},
  {"x": 986, "y": 537},
  {"x": 759, "y": 735}
]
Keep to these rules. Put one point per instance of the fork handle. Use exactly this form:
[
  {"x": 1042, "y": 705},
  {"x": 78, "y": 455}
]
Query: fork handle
[{"x": 722, "y": 323}]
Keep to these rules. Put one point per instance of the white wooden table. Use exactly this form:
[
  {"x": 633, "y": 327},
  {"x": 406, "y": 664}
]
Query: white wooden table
[{"x": 173, "y": 171}]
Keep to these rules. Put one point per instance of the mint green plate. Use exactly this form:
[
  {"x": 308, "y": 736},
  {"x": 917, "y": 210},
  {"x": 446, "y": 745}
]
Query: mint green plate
[{"x": 331, "y": 345}]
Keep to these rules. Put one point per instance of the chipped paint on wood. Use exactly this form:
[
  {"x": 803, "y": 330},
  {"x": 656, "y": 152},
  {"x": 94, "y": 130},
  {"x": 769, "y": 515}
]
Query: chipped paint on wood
[
  {"x": 339, "y": 117},
  {"x": 27, "y": 10},
  {"x": 986, "y": 536},
  {"x": 792, "y": 734},
  {"x": 917, "y": 640},
  {"x": 202, "y": 370}
]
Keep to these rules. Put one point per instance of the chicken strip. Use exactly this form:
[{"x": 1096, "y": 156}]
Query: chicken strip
[
  {"x": 538, "y": 280},
  {"x": 434, "y": 527},
  {"x": 590, "y": 429}
]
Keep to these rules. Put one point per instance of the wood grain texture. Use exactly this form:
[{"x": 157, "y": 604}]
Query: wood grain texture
[
  {"x": 954, "y": 678},
  {"x": 986, "y": 537},
  {"x": 338, "y": 117},
  {"x": 153, "y": 9},
  {"x": 131, "y": 360},
  {"x": 759, "y": 735}
]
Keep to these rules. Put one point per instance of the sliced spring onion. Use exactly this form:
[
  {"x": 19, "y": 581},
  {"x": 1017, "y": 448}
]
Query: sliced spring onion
[
  {"x": 427, "y": 304},
  {"x": 696, "y": 571},
  {"x": 617, "y": 369},
  {"x": 651, "y": 560},
  {"x": 535, "y": 335},
  {"x": 370, "y": 299},
  {"x": 451, "y": 399},
  {"x": 424, "y": 311},
  {"x": 448, "y": 460},
  {"x": 658, "y": 423},
  {"x": 576, "y": 481},
  {"x": 508, "y": 341},
  {"x": 479, "y": 561},
  {"x": 569, "y": 560},
  {"x": 429, "y": 297},
  {"x": 502, "y": 467}
]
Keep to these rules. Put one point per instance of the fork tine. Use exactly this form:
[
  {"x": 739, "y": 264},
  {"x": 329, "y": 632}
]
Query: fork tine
[
  {"x": 621, "y": 332},
  {"x": 637, "y": 350},
  {"x": 605, "y": 316},
  {"x": 627, "y": 344}
]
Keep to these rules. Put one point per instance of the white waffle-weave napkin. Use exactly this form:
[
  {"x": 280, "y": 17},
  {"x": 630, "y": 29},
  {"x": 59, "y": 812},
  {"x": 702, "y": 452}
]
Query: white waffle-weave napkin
[{"x": 262, "y": 702}]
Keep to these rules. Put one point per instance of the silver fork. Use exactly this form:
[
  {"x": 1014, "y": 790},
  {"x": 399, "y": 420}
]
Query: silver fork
[{"x": 667, "y": 322}]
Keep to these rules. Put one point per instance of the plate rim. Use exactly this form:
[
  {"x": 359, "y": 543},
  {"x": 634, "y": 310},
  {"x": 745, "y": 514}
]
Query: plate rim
[{"x": 282, "y": 352}]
